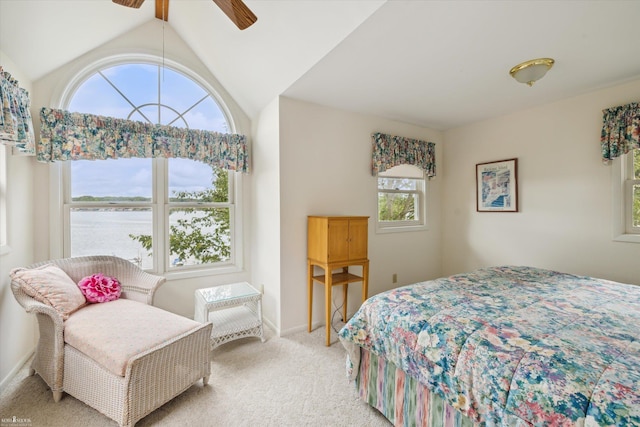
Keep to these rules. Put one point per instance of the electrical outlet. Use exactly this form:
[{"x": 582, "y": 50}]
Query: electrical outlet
[{"x": 394, "y": 278}]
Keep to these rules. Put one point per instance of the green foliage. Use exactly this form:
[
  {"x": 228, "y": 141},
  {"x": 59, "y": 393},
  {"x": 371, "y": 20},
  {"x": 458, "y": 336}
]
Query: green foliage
[
  {"x": 396, "y": 207},
  {"x": 399, "y": 205},
  {"x": 201, "y": 234}
]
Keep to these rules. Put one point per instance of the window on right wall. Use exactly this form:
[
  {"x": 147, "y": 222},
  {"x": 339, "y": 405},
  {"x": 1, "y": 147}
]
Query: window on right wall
[
  {"x": 401, "y": 199},
  {"x": 631, "y": 192},
  {"x": 626, "y": 197}
]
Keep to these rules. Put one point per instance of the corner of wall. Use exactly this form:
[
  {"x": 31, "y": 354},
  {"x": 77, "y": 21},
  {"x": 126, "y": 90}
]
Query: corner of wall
[{"x": 17, "y": 328}]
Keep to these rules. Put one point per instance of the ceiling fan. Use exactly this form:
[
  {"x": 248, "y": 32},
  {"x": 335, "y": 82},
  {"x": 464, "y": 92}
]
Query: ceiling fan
[{"x": 236, "y": 10}]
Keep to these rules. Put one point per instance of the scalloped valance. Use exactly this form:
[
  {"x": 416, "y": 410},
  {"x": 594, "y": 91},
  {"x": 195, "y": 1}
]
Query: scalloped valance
[
  {"x": 75, "y": 136},
  {"x": 390, "y": 151},
  {"x": 620, "y": 130}
]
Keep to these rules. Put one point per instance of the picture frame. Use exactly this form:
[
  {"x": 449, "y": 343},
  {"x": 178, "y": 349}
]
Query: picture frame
[{"x": 497, "y": 186}]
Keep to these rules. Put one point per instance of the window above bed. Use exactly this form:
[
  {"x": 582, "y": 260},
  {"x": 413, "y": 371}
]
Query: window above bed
[
  {"x": 402, "y": 166},
  {"x": 401, "y": 199},
  {"x": 626, "y": 197},
  {"x": 632, "y": 192},
  {"x": 620, "y": 144}
]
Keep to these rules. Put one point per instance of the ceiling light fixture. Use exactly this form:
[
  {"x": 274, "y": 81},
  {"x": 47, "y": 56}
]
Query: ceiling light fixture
[{"x": 531, "y": 71}]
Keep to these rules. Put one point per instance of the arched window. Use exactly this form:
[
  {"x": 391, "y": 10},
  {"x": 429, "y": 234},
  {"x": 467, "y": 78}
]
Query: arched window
[{"x": 164, "y": 214}]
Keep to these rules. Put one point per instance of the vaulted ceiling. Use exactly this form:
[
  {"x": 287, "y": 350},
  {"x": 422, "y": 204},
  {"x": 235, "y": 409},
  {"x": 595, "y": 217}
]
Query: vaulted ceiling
[{"x": 439, "y": 64}]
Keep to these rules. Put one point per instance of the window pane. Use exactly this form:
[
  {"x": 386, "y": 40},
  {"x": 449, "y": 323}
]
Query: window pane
[
  {"x": 111, "y": 180},
  {"x": 406, "y": 184},
  {"x": 635, "y": 220},
  {"x": 170, "y": 117},
  {"x": 191, "y": 180},
  {"x": 179, "y": 91},
  {"x": 207, "y": 116},
  {"x": 110, "y": 103},
  {"x": 636, "y": 164},
  {"x": 397, "y": 206},
  {"x": 199, "y": 236},
  {"x": 137, "y": 82},
  {"x": 112, "y": 231}
]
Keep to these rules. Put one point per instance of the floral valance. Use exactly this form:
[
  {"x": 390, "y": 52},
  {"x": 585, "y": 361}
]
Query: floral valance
[
  {"x": 620, "y": 130},
  {"x": 75, "y": 136},
  {"x": 16, "y": 125},
  {"x": 390, "y": 151}
]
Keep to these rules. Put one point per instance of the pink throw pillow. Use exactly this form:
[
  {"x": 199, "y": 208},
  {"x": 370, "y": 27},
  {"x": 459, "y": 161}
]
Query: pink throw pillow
[{"x": 100, "y": 288}]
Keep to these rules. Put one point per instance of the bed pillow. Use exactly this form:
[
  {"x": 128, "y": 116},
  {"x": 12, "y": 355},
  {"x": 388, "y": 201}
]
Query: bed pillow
[
  {"x": 100, "y": 288},
  {"x": 50, "y": 285}
]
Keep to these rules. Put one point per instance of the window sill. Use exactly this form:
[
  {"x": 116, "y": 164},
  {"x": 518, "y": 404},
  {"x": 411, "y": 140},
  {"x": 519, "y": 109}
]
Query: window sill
[
  {"x": 400, "y": 229},
  {"x": 628, "y": 238},
  {"x": 200, "y": 272}
]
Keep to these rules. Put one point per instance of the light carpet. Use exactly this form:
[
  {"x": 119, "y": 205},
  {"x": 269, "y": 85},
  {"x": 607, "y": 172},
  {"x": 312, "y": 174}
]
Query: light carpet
[{"x": 286, "y": 381}]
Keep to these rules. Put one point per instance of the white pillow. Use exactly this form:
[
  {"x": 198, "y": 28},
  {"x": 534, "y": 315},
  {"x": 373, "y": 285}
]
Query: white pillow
[{"x": 50, "y": 285}]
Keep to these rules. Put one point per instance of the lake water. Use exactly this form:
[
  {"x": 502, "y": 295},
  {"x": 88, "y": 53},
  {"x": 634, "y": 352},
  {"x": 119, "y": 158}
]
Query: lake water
[
  {"x": 106, "y": 232},
  {"x": 100, "y": 232}
]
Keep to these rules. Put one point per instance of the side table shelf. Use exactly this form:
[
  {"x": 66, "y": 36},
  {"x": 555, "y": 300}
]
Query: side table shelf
[
  {"x": 234, "y": 323},
  {"x": 339, "y": 278}
]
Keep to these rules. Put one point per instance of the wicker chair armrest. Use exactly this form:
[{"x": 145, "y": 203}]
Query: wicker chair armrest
[
  {"x": 140, "y": 285},
  {"x": 34, "y": 306}
]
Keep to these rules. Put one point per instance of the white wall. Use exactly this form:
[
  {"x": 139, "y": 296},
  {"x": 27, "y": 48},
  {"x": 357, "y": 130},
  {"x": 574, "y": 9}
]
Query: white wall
[
  {"x": 565, "y": 197},
  {"x": 176, "y": 295},
  {"x": 17, "y": 329},
  {"x": 325, "y": 169},
  {"x": 265, "y": 215}
]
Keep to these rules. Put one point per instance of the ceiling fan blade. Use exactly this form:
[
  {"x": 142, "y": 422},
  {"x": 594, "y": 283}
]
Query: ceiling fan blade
[
  {"x": 130, "y": 3},
  {"x": 162, "y": 9},
  {"x": 238, "y": 12}
]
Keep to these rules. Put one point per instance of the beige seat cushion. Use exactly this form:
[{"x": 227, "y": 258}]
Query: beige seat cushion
[{"x": 113, "y": 332}]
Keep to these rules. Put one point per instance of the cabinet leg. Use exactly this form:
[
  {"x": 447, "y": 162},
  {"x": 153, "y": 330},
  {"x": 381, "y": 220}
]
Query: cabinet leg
[
  {"x": 345, "y": 292},
  {"x": 327, "y": 304},
  {"x": 365, "y": 281},
  {"x": 310, "y": 293}
]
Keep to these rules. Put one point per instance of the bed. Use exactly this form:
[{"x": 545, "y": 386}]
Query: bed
[{"x": 500, "y": 346}]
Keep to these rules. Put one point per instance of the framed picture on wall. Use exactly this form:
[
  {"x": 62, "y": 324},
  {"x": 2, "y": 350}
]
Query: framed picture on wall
[{"x": 497, "y": 186}]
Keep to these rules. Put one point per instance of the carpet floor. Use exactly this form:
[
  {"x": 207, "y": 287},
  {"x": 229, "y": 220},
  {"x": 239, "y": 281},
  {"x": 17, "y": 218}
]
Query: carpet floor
[{"x": 286, "y": 381}]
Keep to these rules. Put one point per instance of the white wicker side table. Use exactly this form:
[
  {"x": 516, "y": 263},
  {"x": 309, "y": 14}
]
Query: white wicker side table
[{"x": 235, "y": 311}]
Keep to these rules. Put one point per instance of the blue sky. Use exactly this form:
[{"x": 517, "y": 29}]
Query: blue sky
[{"x": 161, "y": 94}]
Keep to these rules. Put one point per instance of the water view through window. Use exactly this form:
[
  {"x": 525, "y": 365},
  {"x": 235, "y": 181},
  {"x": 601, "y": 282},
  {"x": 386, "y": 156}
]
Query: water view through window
[{"x": 113, "y": 206}]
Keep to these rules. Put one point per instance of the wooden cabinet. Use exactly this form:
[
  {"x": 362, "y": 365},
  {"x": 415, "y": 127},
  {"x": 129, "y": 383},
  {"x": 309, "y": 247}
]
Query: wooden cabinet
[{"x": 336, "y": 243}]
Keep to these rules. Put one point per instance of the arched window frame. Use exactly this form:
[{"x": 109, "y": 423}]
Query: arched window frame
[{"x": 60, "y": 179}]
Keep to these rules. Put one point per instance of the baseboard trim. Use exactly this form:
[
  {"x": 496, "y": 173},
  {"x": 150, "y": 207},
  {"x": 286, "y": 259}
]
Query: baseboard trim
[
  {"x": 6, "y": 380},
  {"x": 284, "y": 332},
  {"x": 271, "y": 326}
]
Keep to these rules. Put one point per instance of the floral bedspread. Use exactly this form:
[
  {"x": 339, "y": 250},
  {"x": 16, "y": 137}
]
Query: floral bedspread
[{"x": 512, "y": 345}]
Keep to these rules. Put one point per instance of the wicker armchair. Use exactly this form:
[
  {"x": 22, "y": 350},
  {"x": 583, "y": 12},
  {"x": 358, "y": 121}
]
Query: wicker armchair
[{"x": 152, "y": 377}]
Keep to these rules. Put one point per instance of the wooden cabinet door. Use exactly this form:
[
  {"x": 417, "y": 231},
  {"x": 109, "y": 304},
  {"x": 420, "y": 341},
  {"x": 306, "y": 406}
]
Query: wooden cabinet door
[
  {"x": 338, "y": 246},
  {"x": 358, "y": 239}
]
